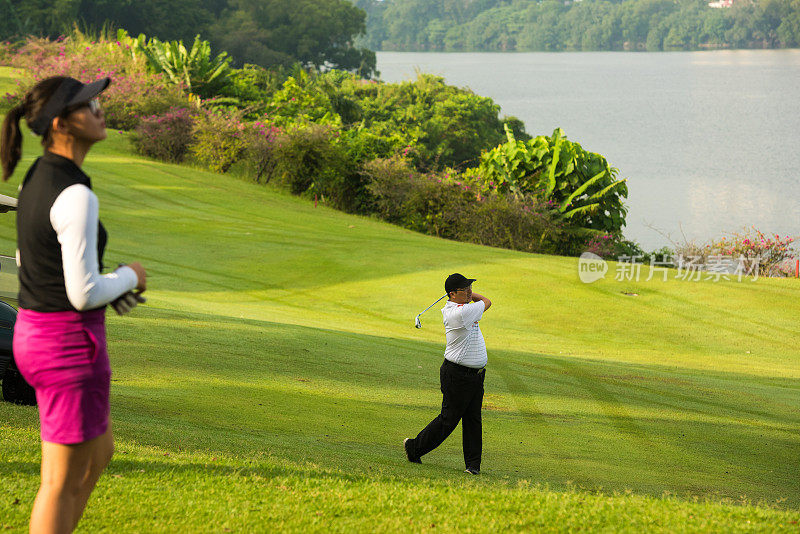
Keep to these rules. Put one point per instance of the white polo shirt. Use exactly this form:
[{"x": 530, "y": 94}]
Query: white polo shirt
[{"x": 465, "y": 344}]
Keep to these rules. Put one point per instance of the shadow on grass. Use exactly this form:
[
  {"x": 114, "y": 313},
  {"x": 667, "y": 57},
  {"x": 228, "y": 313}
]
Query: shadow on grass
[{"x": 646, "y": 427}]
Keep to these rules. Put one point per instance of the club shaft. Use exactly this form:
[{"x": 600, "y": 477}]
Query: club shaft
[{"x": 431, "y": 306}]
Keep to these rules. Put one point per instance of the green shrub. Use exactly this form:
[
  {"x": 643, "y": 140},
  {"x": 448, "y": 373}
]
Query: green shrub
[
  {"x": 313, "y": 161},
  {"x": 252, "y": 87},
  {"x": 301, "y": 102},
  {"x": 515, "y": 224},
  {"x": 221, "y": 140},
  {"x": 439, "y": 205},
  {"x": 259, "y": 158},
  {"x": 253, "y": 82},
  {"x": 449, "y": 127},
  {"x": 416, "y": 201}
]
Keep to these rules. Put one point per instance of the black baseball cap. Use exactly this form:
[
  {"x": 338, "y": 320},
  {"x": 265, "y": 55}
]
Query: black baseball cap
[
  {"x": 69, "y": 93},
  {"x": 456, "y": 281}
]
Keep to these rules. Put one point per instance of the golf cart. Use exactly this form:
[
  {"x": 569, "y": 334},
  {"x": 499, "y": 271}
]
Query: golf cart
[{"x": 14, "y": 387}]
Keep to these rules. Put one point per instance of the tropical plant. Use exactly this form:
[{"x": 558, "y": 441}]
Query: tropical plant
[
  {"x": 580, "y": 185},
  {"x": 193, "y": 68}
]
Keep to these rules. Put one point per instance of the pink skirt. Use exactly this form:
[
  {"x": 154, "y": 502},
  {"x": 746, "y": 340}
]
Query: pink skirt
[{"x": 63, "y": 355}]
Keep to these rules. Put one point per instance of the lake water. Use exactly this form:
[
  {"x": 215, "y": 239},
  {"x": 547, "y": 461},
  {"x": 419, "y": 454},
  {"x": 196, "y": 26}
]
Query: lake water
[{"x": 709, "y": 141}]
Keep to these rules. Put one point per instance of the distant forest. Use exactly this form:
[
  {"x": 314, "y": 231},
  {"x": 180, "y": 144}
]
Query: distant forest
[
  {"x": 262, "y": 32},
  {"x": 556, "y": 25}
]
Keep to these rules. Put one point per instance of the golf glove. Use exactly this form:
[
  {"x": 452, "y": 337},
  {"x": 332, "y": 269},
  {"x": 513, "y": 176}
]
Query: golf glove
[{"x": 127, "y": 302}]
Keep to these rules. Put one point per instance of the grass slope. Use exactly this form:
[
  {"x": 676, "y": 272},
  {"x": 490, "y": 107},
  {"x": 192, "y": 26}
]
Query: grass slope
[{"x": 275, "y": 370}]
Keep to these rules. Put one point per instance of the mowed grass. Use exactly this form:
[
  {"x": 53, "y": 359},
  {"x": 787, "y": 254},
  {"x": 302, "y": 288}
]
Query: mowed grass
[{"x": 269, "y": 381}]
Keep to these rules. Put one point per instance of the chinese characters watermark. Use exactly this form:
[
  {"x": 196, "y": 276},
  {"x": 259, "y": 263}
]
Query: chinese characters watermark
[{"x": 592, "y": 268}]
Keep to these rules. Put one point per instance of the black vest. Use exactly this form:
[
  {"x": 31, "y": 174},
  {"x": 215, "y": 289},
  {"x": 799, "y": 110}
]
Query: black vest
[{"x": 41, "y": 271}]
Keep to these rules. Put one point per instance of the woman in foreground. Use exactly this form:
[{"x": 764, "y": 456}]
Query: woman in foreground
[{"x": 60, "y": 336}]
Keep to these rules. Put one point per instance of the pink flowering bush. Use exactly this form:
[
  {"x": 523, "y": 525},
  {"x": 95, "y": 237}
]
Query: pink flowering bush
[
  {"x": 602, "y": 245},
  {"x": 133, "y": 93},
  {"x": 753, "y": 250},
  {"x": 259, "y": 157},
  {"x": 766, "y": 252},
  {"x": 167, "y": 137}
]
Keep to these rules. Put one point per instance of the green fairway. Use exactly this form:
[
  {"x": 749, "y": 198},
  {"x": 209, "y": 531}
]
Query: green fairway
[{"x": 275, "y": 370}]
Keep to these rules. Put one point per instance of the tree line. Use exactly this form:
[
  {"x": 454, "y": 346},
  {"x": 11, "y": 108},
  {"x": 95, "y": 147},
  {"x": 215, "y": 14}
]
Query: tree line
[
  {"x": 318, "y": 33},
  {"x": 557, "y": 25}
]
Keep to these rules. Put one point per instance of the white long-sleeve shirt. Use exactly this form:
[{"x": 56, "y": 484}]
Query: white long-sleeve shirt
[{"x": 74, "y": 216}]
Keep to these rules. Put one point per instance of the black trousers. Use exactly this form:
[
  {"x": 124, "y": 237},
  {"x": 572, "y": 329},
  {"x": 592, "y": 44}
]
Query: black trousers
[{"x": 462, "y": 396}]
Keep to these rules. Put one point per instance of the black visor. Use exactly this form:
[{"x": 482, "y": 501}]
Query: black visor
[{"x": 69, "y": 93}]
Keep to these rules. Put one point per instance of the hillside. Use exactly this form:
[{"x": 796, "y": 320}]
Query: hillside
[{"x": 270, "y": 379}]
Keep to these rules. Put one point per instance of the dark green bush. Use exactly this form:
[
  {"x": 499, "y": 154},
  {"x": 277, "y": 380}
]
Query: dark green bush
[
  {"x": 322, "y": 161},
  {"x": 433, "y": 204},
  {"x": 414, "y": 200},
  {"x": 446, "y": 125},
  {"x": 526, "y": 225},
  {"x": 308, "y": 160}
]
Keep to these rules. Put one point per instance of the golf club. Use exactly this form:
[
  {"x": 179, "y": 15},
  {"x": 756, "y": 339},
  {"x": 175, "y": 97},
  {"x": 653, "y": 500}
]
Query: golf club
[{"x": 417, "y": 322}]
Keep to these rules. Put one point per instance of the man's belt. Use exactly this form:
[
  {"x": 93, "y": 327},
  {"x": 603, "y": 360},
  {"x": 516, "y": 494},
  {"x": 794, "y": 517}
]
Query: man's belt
[{"x": 463, "y": 368}]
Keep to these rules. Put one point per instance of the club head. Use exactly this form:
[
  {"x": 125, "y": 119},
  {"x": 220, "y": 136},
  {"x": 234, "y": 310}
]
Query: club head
[{"x": 417, "y": 322}]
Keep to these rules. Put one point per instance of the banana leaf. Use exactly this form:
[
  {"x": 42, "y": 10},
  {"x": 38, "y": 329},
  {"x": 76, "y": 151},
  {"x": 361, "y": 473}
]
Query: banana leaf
[
  {"x": 603, "y": 191},
  {"x": 579, "y": 191},
  {"x": 587, "y": 209},
  {"x": 551, "y": 185}
]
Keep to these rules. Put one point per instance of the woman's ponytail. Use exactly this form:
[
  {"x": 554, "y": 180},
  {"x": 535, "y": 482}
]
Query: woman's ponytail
[
  {"x": 32, "y": 104},
  {"x": 11, "y": 141}
]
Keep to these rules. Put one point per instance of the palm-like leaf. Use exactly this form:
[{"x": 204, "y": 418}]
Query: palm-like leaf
[
  {"x": 600, "y": 194},
  {"x": 578, "y": 192},
  {"x": 193, "y": 67},
  {"x": 581, "y": 184},
  {"x": 588, "y": 209},
  {"x": 551, "y": 178}
]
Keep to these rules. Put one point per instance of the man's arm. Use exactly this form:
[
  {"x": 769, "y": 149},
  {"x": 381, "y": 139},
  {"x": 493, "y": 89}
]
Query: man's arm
[{"x": 477, "y": 298}]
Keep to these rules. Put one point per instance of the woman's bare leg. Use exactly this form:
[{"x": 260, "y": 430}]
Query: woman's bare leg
[
  {"x": 63, "y": 469},
  {"x": 101, "y": 455},
  {"x": 69, "y": 473}
]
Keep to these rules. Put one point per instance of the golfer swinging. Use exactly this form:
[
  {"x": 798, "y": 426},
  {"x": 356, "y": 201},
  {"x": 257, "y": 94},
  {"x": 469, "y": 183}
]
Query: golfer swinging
[{"x": 461, "y": 376}]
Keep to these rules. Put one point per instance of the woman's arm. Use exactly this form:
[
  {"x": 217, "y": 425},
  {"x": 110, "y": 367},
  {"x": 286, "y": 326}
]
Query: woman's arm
[{"x": 74, "y": 216}]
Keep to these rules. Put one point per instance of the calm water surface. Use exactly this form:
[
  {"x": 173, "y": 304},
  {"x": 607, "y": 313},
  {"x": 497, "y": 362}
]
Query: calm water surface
[{"x": 709, "y": 141}]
